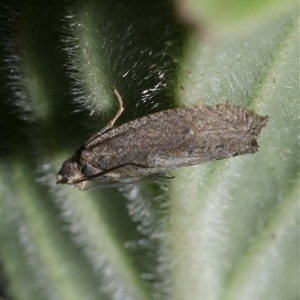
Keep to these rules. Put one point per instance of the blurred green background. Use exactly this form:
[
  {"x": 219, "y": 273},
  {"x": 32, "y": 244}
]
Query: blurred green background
[{"x": 221, "y": 230}]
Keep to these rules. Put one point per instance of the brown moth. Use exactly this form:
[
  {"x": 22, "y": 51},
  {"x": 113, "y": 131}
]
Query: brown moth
[{"x": 141, "y": 149}]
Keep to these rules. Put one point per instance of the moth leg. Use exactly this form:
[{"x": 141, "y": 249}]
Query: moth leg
[
  {"x": 110, "y": 125},
  {"x": 116, "y": 184},
  {"x": 120, "y": 183},
  {"x": 162, "y": 176},
  {"x": 119, "y": 112}
]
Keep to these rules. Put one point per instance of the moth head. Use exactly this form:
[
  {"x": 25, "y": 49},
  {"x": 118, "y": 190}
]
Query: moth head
[{"x": 70, "y": 173}]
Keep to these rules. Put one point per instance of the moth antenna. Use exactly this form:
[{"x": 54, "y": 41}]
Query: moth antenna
[{"x": 108, "y": 171}]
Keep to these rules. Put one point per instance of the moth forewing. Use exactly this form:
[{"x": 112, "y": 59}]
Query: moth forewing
[{"x": 160, "y": 142}]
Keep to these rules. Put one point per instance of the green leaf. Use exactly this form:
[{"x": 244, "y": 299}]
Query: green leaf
[{"x": 221, "y": 230}]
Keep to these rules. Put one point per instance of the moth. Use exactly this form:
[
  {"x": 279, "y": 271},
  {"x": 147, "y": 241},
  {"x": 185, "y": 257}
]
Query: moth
[{"x": 144, "y": 148}]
